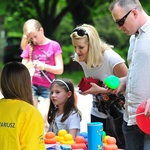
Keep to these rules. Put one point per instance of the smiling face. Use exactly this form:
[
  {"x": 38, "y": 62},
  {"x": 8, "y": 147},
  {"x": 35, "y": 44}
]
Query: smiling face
[
  {"x": 81, "y": 48},
  {"x": 58, "y": 95}
]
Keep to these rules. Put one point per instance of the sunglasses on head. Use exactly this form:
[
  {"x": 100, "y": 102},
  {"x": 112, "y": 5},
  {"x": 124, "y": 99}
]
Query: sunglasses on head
[
  {"x": 122, "y": 20},
  {"x": 80, "y": 31}
]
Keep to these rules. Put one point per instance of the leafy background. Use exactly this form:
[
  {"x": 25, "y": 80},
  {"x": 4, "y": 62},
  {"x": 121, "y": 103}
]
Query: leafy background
[{"x": 60, "y": 17}]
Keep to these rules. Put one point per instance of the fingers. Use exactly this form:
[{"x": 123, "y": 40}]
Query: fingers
[
  {"x": 38, "y": 64},
  {"x": 147, "y": 108}
]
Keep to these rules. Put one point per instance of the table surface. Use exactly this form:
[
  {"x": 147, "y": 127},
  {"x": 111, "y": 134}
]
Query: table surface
[{"x": 66, "y": 146}]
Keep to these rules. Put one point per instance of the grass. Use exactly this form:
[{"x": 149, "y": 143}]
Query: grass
[{"x": 74, "y": 76}]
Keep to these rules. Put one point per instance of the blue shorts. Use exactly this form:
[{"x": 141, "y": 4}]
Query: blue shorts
[{"x": 40, "y": 91}]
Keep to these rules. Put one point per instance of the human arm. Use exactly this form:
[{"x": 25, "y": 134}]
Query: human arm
[
  {"x": 73, "y": 132},
  {"x": 25, "y": 61},
  {"x": 56, "y": 69},
  {"x": 147, "y": 108},
  {"x": 95, "y": 89},
  {"x": 74, "y": 124},
  {"x": 25, "y": 56},
  {"x": 29, "y": 65},
  {"x": 121, "y": 87},
  {"x": 120, "y": 70}
]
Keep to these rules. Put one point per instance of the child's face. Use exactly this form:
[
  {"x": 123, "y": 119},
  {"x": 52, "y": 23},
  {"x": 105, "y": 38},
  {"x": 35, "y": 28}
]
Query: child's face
[
  {"x": 36, "y": 37},
  {"x": 58, "y": 95}
]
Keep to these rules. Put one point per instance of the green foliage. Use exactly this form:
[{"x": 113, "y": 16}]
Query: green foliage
[
  {"x": 62, "y": 34},
  {"x": 122, "y": 53},
  {"x": 108, "y": 30},
  {"x": 59, "y": 18},
  {"x": 67, "y": 53},
  {"x": 64, "y": 29},
  {"x": 3, "y": 7},
  {"x": 145, "y": 5},
  {"x": 1, "y": 66}
]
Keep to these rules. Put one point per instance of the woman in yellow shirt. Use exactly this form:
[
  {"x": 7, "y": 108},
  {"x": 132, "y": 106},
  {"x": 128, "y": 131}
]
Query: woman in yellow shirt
[{"x": 21, "y": 124}]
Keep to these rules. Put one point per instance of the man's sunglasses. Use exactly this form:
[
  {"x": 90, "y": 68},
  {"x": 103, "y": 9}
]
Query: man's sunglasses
[
  {"x": 122, "y": 20},
  {"x": 80, "y": 31}
]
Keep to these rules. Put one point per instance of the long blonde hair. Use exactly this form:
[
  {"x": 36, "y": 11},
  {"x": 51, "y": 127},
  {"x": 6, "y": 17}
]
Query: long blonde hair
[
  {"x": 29, "y": 26},
  {"x": 96, "y": 45}
]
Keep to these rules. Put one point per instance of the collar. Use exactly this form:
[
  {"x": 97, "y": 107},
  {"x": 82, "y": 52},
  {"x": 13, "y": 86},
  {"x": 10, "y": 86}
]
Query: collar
[{"x": 144, "y": 28}]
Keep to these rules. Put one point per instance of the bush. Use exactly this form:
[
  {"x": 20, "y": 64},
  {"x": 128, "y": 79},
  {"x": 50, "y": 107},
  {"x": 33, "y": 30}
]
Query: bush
[{"x": 67, "y": 52}]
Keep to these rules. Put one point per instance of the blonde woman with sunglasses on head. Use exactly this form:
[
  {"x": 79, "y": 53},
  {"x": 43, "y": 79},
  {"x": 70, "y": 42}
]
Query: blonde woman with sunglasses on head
[{"x": 98, "y": 61}]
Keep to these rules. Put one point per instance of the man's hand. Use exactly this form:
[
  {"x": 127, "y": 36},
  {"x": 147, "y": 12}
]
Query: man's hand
[
  {"x": 147, "y": 108},
  {"x": 121, "y": 86}
]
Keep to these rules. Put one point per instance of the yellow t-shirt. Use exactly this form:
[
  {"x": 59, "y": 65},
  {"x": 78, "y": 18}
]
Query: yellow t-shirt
[{"x": 21, "y": 126}]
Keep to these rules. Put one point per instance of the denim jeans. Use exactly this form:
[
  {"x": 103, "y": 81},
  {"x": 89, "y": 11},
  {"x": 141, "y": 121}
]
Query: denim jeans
[
  {"x": 135, "y": 139},
  {"x": 40, "y": 91}
]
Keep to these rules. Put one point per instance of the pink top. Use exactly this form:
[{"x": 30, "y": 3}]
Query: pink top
[{"x": 46, "y": 54}]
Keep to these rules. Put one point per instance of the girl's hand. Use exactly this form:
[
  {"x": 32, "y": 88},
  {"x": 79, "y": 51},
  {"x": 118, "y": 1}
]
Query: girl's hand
[{"x": 38, "y": 64}]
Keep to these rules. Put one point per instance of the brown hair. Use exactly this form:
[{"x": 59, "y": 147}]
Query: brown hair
[
  {"x": 70, "y": 103},
  {"x": 16, "y": 82}
]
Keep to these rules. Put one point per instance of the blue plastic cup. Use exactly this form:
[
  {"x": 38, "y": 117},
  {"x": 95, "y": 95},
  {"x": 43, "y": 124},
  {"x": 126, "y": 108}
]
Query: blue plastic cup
[{"x": 95, "y": 133}]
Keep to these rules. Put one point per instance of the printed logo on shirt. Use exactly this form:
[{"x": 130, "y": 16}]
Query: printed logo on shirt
[
  {"x": 7, "y": 124},
  {"x": 41, "y": 139}
]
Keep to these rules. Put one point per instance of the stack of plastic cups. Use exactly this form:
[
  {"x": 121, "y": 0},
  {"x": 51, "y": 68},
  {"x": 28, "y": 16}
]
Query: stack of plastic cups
[{"x": 95, "y": 133}]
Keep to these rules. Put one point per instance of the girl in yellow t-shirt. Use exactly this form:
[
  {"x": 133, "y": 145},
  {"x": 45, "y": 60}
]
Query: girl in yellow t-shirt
[{"x": 21, "y": 124}]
